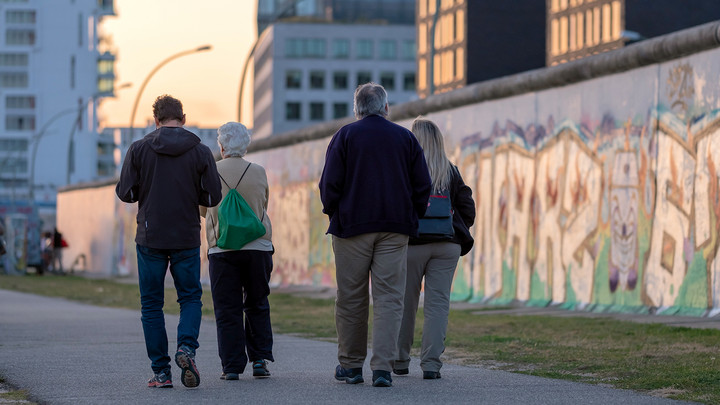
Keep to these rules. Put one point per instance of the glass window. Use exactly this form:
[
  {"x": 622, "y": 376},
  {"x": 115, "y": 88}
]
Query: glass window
[
  {"x": 105, "y": 85},
  {"x": 19, "y": 37},
  {"x": 340, "y": 80},
  {"x": 341, "y": 49},
  {"x": 293, "y": 79},
  {"x": 293, "y": 48},
  {"x": 317, "y": 79},
  {"x": 14, "y": 165},
  {"x": 316, "y": 48},
  {"x": 13, "y": 59},
  {"x": 387, "y": 80},
  {"x": 408, "y": 50},
  {"x": 305, "y": 48},
  {"x": 13, "y": 79},
  {"x": 20, "y": 102},
  {"x": 317, "y": 111},
  {"x": 20, "y": 16},
  {"x": 292, "y": 111},
  {"x": 364, "y": 49},
  {"x": 20, "y": 122},
  {"x": 13, "y": 144},
  {"x": 340, "y": 110},
  {"x": 409, "y": 81},
  {"x": 388, "y": 49},
  {"x": 364, "y": 77}
]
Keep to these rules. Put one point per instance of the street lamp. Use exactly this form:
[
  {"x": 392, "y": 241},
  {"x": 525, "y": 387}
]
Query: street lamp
[{"x": 150, "y": 75}]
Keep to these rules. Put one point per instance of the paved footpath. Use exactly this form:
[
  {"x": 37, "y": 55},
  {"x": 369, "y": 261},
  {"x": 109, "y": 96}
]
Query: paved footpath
[{"x": 63, "y": 352}]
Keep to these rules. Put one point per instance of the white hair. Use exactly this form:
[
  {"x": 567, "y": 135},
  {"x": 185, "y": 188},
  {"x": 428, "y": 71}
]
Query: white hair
[
  {"x": 370, "y": 99},
  {"x": 234, "y": 139}
]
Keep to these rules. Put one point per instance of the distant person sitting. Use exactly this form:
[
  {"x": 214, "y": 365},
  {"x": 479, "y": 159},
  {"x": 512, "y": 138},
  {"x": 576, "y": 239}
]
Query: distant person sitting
[{"x": 169, "y": 173}]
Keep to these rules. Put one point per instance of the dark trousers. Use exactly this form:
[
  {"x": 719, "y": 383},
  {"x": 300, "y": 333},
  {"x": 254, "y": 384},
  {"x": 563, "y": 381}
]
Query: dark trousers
[{"x": 240, "y": 287}]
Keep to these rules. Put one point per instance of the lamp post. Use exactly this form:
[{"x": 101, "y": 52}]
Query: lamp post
[{"x": 150, "y": 75}]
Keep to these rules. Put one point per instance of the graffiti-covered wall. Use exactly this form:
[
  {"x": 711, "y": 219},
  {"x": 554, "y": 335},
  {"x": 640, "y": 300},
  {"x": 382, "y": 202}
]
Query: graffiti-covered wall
[{"x": 603, "y": 194}]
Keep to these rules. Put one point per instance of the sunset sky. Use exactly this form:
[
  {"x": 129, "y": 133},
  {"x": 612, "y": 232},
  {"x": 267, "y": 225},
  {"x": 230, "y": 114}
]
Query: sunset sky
[{"x": 144, "y": 33}]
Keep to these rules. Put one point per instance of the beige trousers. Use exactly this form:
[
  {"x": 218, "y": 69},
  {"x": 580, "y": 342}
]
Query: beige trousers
[
  {"x": 436, "y": 262},
  {"x": 381, "y": 257}
]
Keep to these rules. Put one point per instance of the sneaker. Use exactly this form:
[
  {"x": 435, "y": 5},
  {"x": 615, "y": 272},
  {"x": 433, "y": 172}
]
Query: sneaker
[
  {"x": 382, "y": 378},
  {"x": 185, "y": 359},
  {"x": 431, "y": 375},
  {"x": 349, "y": 375},
  {"x": 161, "y": 380},
  {"x": 260, "y": 369},
  {"x": 401, "y": 371},
  {"x": 230, "y": 376}
]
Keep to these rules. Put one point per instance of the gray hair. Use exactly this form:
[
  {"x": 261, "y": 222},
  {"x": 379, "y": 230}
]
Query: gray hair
[
  {"x": 234, "y": 139},
  {"x": 370, "y": 99}
]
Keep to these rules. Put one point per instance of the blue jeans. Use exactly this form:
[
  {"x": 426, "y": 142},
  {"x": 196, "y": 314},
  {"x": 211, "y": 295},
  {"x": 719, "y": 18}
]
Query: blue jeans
[{"x": 185, "y": 269}]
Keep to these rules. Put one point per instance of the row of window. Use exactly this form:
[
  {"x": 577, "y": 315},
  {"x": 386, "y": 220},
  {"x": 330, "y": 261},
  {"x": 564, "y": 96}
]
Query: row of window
[
  {"x": 13, "y": 80},
  {"x": 20, "y": 122},
  {"x": 428, "y": 7},
  {"x": 14, "y": 165},
  {"x": 449, "y": 30},
  {"x": 364, "y": 48},
  {"x": 18, "y": 36},
  {"x": 580, "y": 30},
  {"x": 20, "y": 102},
  {"x": 341, "y": 80},
  {"x": 448, "y": 67},
  {"x": 20, "y": 16},
  {"x": 293, "y": 110},
  {"x": 13, "y": 144},
  {"x": 13, "y": 59}
]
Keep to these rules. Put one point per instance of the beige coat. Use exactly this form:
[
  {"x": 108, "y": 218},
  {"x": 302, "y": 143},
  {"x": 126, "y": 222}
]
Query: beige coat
[{"x": 253, "y": 188}]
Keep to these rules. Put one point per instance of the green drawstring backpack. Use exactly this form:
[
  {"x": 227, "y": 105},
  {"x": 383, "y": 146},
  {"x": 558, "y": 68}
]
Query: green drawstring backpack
[{"x": 237, "y": 223}]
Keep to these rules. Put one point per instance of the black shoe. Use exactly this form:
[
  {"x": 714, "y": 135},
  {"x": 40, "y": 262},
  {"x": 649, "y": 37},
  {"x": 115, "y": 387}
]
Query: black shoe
[
  {"x": 382, "y": 378},
  {"x": 161, "y": 380},
  {"x": 185, "y": 359},
  {"x": 431, "y": 375},
  {"x": 349, "y": 375},
  {"x": 401, "y": 371},
  {"x": 230, "y": 376},
  {"x": 260, "y": 369}
]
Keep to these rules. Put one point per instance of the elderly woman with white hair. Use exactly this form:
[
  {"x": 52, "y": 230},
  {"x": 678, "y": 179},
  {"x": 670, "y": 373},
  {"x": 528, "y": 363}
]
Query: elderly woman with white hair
[{"x": 240, "y": 275}]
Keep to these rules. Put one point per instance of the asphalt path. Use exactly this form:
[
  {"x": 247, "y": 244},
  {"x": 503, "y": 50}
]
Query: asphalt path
[{"x": 63, "y": 352}]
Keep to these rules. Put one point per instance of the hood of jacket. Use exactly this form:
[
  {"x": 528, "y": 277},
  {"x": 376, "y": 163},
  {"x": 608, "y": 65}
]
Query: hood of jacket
[{"x": 172, "y": 141}]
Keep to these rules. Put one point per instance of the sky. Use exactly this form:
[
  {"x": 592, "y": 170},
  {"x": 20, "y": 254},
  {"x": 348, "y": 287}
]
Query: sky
[{"x": 144, "y": 33}]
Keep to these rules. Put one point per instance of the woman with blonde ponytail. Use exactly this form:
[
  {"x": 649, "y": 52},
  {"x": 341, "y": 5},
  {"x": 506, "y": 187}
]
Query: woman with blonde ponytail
[{"x": 434, "y": 260}]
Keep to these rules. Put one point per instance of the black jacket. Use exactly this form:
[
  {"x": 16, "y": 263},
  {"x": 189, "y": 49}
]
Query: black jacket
[
  {"x": 463, "y": 214},
  {"x": 375, "y": 179},
  {"x": 169, "y": 173}
]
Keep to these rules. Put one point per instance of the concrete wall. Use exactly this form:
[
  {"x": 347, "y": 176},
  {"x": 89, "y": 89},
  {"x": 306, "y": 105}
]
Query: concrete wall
[{"x": 601, "y": 193}]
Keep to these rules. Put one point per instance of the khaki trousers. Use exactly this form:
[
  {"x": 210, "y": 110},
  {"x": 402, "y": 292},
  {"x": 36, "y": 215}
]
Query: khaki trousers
[
  {"x": 436, "y": 262},
  {"x": 381, "y": 257}
]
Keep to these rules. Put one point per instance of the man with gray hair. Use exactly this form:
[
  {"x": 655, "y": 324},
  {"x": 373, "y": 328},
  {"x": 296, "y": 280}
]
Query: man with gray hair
[{"x": 374, "y": 186}]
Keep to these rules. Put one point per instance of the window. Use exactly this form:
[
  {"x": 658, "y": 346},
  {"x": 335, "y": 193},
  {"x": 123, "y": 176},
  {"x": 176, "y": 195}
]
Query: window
[
  {"x": 317, "y": 79},
  {"x": 20, "y": 16},
  {"x": 408, "y": 50},
  {"x": 317, "y": 111},
  {"x": 409, "y": 81},
  {"x": 13, "y": 145},
  {"x": 14, "y": 165},
  {"x": 105, "y": 85},
  {"x": 20, "y": 102},
  {"x": 13, "y": 59},
  {"x": 388, "y": 49},
  {"x": 340, "y": 110},
  {"x": 13, "y": 79},
  {"x": 364, "y": 49},
  {"x": 364, "y": 77},
  {"x": 341, "y": 49},
  {"x": 293, "y": 79},
  {"x": 340, "y": 80},
  {"x": 292, "y": 111},
  {"x": 305, "y": 48},
  {"x": 20, "y": 122},
  {"x": 19, "y": 37},
  {"x": 387, "y": 80}
]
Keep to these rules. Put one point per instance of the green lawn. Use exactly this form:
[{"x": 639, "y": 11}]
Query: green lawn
[{"x": 680, "y": 363}]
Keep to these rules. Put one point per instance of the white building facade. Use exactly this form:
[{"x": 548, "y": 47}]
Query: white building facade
[
  {"x": 55, "y": 67},
  {"x": 306, "y": 73}
]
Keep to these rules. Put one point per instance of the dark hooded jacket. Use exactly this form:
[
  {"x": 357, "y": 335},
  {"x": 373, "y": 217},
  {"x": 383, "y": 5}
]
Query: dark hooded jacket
[{"x": 169, "y": 173}]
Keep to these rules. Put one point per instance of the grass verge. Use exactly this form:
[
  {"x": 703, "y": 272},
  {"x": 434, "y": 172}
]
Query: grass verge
[{"x": 673, "y": 362}]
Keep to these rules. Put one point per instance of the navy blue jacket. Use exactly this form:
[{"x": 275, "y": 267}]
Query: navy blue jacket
[
  {"x": 375, "y": 179},
  {"x": 169, "y": 173}
]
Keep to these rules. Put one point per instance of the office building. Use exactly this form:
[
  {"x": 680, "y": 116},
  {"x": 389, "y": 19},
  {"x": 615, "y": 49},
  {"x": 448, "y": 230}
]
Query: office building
[
  {"x": 580, "y": 28},
  {"x": 306, "y": 73},
  {"x": 55, "y": 68},
  {"x": 467, "y": 41}
]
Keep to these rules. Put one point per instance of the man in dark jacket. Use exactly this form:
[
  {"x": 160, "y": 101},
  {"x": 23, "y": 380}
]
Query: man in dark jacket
[
  {"x": 374, "y": 185},
  {"x": 169, "y": 173}
]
